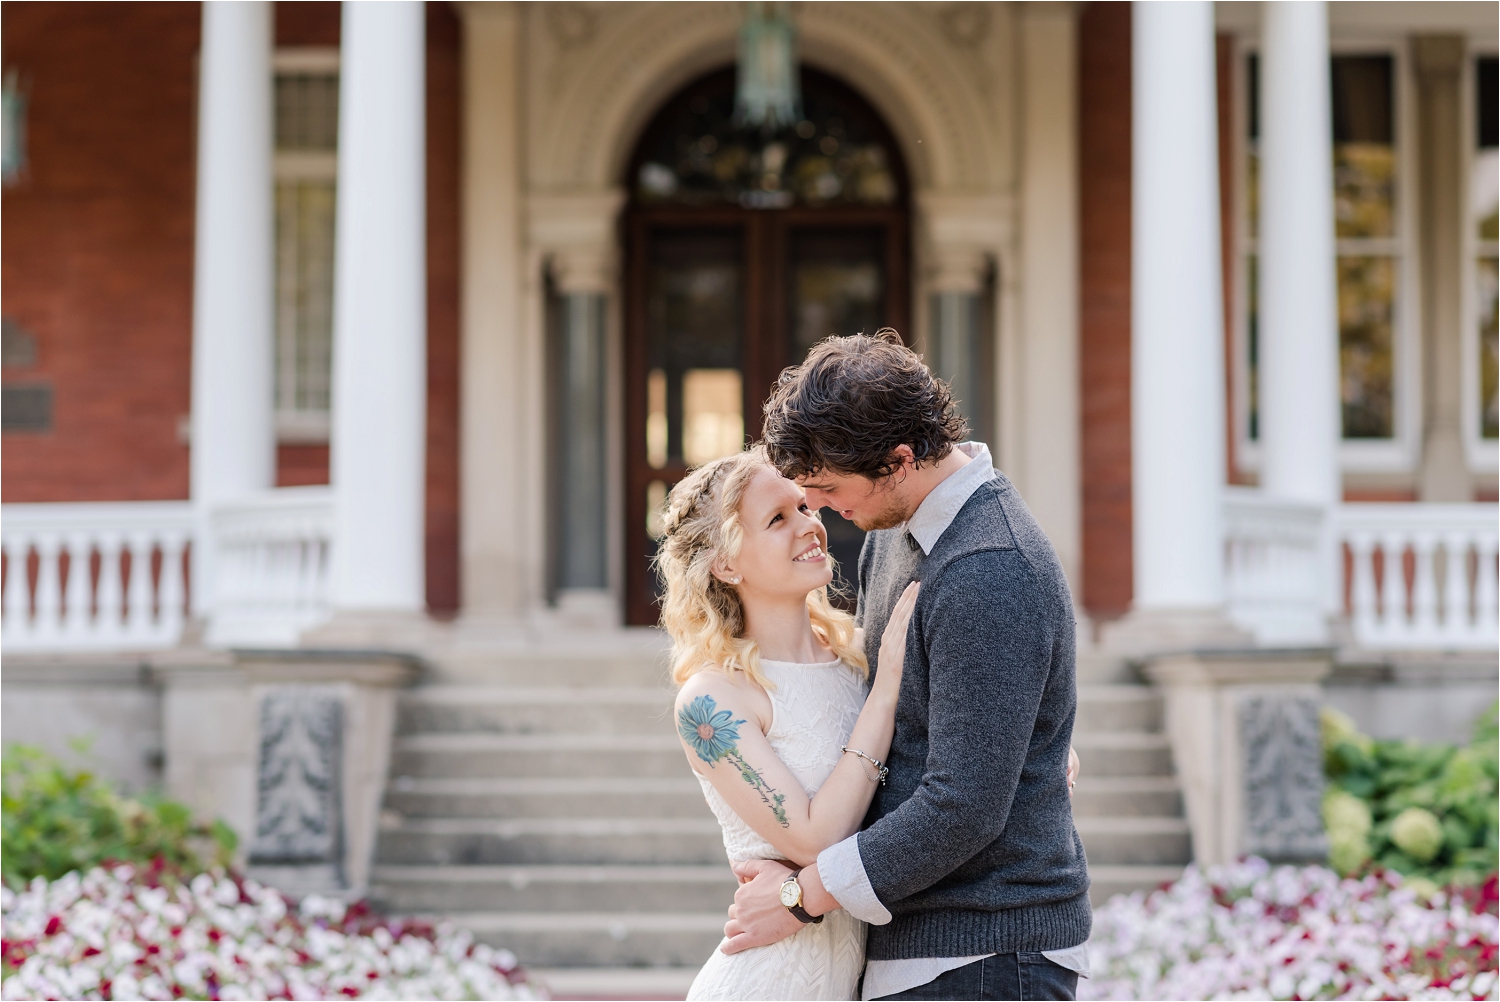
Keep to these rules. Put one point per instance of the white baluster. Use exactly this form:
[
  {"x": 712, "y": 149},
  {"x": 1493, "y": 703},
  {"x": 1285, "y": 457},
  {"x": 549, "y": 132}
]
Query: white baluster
[
  {"x": 138, "y": 597},
  {"x": 48, "y": 623},
  {"x": 108, "y": 623},
  {"x": 170, "y": 591},
  {"x": 1456, "y": 598},
  {"x": 80, "y": 586},
  {"x": 1424, "y": 588},
  {"x": 1395, "y": 594},
  {"x": 1485, "y": 597},
  {"x": 1363, "y": 609},
  {"x": 17, "y": 587}
]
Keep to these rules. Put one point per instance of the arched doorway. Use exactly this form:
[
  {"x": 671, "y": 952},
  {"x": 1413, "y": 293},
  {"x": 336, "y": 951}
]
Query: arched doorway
[{"x": 742, "y": 251}]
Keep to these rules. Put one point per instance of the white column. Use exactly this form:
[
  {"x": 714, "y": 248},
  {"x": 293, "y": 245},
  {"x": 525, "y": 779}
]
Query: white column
[
  {"x": 380, "y": 312},
  {"x": 1177, "y": 354},
  {"x": 1299, "y": 335},
  {"x": 233, "y": 429}
]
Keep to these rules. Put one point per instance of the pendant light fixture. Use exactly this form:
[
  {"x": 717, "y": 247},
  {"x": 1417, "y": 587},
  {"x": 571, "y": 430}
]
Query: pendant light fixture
[{"x": 767, "y": 92}]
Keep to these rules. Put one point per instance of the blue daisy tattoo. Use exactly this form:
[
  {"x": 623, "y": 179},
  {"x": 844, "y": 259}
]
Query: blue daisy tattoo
[
  {"x": 709, "y": 731},
  {"x": 714, "y": 734}
]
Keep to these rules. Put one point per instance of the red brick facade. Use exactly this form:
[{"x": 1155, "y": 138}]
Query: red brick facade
[
  {"x": 1104, "y": 304},
  {"x": 98, "y": 246},
  {"x": 98, "y": 255}
]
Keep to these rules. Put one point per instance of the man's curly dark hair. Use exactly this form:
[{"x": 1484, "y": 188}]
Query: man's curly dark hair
[{"x": 852, "y": 402}]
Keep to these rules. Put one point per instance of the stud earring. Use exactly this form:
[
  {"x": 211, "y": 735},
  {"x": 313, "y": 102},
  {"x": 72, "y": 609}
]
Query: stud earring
[{"x": 734, "y": 580}]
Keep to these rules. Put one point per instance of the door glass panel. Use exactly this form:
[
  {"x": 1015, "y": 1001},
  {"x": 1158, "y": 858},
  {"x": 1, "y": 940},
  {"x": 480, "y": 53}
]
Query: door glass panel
[
  {"x": 838, "y": 286},
  {"x": 694, "y": 326}
]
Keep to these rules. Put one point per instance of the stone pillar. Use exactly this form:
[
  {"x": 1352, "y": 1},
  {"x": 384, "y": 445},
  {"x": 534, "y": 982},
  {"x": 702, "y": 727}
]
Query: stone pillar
[
  {"x": 233, "y": 427},
  {"x": 1299, "y": 355},
  {"x": 499, "y": 395},
  {"x": 1177, "y": 353},
  {"x": 1049, "y": 474},
  {"x": 1300, "y": 424},
  {"x": 380, "y": 314},
  {"x": 953, "y": 348},
  {"x": 578, "y": 350},
  {"x": 1439, "y": 61}
]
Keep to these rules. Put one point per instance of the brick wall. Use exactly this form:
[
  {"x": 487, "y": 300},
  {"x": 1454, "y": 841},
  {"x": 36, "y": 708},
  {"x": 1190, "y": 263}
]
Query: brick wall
[
  {"x": 97, "y": 262},
  {"x": 1104, "y": 304},
  {"x": 98, "y": 247}
]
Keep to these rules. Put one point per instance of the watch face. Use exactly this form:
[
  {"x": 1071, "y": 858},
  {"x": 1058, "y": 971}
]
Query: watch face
[{"x": 791, "y": 894}]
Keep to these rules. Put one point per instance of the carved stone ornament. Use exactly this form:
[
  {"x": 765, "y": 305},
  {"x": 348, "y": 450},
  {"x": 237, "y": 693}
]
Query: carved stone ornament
[
  {"x": 572, "y": 24},
  {"x": 298, "y": 815},
  {"x": 1283, "y": 777},
  {"x": 965, "y": 23}
]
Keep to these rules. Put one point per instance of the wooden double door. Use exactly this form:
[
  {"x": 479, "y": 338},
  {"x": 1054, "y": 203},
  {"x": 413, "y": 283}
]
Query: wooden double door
[{"x": 719, "y": 302}]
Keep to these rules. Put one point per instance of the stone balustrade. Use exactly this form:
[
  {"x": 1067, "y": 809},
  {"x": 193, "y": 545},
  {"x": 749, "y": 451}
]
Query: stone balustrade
[{"x": 89, "y": 576}]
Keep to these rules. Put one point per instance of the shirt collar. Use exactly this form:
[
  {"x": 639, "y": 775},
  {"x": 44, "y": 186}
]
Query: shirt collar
[{"x": 941, "y": 505}]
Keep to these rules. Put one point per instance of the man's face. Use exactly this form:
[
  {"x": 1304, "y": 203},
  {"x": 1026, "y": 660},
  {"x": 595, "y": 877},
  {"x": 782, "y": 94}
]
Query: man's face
[{"x": 869, "y": 504}]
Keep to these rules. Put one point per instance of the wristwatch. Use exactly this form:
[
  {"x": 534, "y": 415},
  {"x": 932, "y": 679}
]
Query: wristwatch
[{"x": 791, "y": 896}]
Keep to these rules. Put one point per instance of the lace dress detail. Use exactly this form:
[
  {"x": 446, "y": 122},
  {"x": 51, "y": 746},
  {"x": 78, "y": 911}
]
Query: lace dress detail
[{"x": 814, "y": 709}]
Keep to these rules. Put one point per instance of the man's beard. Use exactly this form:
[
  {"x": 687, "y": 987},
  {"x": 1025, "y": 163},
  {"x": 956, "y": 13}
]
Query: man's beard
[{"x": 891, "y": 514}]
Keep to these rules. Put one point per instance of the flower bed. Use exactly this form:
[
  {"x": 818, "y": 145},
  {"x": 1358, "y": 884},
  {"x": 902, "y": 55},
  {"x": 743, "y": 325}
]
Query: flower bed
[
  {"x": 116, "y": 932},
  {"x": 1254, "y": 931}
]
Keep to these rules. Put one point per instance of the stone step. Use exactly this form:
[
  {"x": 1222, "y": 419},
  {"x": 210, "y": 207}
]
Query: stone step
[
  {"x": 470, "y": 841},
  {"x": 1123, "y": 753},
  {"x": 1118, "y": 708},
  {"x": 616, "y": 982},
  {"x": 1094, "y": 667},
  {"x": 537, "y": 755},
  {"x": 1115, "y": 840},
  {"x": 547, "y": 797},
  {"x": 598, "y": 938},
  {"x": 648, "y": 669},
  {"x": 536, "y": 710},
  {"x": 1126, "y": 796},
  {"x": 1107, "y": 880},
  {"x": 403, "y": 890}
]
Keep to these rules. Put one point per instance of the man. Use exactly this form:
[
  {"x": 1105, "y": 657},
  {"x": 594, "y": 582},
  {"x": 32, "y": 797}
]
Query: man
[{"x": 969, "y": 869}]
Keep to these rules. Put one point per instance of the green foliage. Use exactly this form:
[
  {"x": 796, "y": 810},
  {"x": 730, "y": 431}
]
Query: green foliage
[
  {"x": 1429, "y": 811},
  {"x": 56, "y": 820}
]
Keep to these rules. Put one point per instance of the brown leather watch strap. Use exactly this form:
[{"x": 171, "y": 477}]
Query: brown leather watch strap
[{"x": 798, "y": 910}]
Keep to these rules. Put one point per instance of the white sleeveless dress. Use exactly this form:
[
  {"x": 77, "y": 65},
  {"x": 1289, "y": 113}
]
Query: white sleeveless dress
[{"x": 814, "y": 709}]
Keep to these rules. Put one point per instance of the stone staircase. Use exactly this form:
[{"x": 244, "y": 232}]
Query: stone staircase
[{"x": 541, "y": 800}]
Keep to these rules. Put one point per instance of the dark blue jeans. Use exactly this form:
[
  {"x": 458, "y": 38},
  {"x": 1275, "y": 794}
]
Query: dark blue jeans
[{"x": 1003, "y": 976}]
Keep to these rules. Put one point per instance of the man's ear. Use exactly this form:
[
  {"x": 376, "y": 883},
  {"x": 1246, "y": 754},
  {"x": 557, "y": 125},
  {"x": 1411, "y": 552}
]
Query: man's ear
[{"x": 906, "y": 459}]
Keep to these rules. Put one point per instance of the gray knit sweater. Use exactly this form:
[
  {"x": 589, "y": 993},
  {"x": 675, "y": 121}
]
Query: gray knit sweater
[{"x": 971, "y": 844}]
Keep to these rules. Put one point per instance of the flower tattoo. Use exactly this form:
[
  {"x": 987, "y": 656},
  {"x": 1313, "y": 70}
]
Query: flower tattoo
[{"x": 714, "y": 734}]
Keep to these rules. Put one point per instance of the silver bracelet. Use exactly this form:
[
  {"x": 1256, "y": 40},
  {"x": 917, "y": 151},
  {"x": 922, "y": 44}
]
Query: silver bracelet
[{"x": 880, "y": 770}]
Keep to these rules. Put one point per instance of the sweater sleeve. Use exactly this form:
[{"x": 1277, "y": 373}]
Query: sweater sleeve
[{"x": 987, "y": 631}]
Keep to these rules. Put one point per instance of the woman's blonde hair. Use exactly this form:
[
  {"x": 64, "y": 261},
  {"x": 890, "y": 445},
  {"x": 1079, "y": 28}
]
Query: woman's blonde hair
[{"x": 704, "y": 615}]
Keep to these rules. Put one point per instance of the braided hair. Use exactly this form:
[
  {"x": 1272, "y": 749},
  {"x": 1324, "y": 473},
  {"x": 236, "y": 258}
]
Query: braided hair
[{"x": 704, "y": 615}]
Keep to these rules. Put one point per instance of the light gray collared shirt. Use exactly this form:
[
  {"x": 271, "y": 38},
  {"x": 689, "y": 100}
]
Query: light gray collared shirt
[{"x": 840, "y": 867}]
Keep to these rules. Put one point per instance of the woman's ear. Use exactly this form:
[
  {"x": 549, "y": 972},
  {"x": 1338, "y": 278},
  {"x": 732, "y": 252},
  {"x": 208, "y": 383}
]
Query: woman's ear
[{"x": 725, "y": 572}]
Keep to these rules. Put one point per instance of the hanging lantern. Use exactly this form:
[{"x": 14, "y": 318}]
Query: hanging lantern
[{"x": 767, "y": 93}]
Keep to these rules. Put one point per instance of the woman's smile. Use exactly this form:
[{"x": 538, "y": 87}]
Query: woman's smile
[{"x": 809, "y": 555}]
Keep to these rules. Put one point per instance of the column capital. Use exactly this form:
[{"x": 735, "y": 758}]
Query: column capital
[
  {"x": 1438, "y": 55},
  {"x": 576, "y": 230}
]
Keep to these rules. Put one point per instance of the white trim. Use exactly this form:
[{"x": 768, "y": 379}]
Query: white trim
[
  {"x": 305, "y": 59},
  {"x": 1399, "y": 454},
  {"x": 1483, "y": 455}
]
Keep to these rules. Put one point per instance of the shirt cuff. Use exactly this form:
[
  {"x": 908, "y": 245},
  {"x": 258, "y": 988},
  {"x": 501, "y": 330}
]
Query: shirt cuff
[{"x": 843, "y": 875}]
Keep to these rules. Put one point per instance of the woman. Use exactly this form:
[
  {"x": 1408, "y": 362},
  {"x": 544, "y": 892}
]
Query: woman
[{"x": 772, "y": 713}]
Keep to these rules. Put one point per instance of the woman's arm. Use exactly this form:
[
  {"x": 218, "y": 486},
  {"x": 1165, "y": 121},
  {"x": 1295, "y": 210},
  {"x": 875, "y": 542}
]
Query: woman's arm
[{"x": 720, "y": 723}]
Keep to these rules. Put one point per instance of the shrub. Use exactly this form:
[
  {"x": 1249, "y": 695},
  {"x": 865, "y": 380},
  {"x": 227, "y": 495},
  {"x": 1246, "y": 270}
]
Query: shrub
[
  {"x": 56, "y": 820},
  {"x": 1428, "y": 811}
]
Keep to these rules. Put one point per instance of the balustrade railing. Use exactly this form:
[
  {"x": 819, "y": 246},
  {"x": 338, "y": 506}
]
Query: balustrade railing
[
  {"x": 270, "y": 567},
  {"x": 94, "y": 575},
  {"x": 1420, "y": 576}
]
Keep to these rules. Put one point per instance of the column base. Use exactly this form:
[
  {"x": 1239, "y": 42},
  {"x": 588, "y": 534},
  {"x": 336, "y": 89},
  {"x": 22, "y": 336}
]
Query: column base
[{"x": 1143, "y": 632}]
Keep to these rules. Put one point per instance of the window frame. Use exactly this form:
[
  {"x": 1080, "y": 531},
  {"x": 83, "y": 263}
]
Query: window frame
[
  {"x": 1482, "y": 455},
  {"x": 1400, "y": 454},
  {"x": 294, "y": 425}
]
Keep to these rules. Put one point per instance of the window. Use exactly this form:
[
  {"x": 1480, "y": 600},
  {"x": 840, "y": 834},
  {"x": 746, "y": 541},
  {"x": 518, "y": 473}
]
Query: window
[
  {"x": 1483, "y": 412},
  {"x": 1369, "y": 230},
  {"x": 306, "y": 168}
]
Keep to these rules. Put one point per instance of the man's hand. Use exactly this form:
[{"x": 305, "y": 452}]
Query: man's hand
[
  {"x": 1073, "y": 767},
  {"x": 757, "y": 917}
]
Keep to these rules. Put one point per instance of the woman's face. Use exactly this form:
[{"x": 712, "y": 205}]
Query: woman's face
[{"x": 783, "y": 545}]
